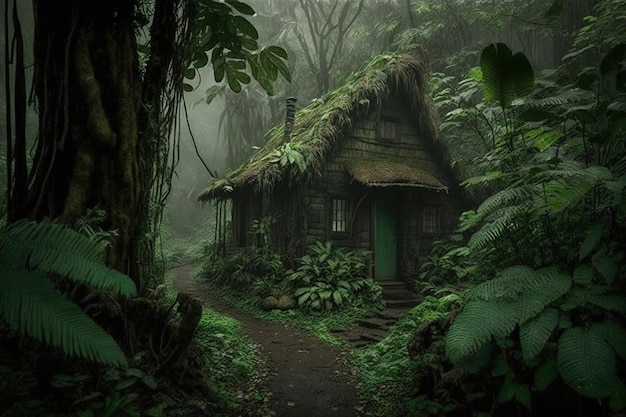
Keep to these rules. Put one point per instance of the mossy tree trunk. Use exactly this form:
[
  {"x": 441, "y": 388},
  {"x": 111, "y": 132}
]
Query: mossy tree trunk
[{"x": 99, "y": 134}]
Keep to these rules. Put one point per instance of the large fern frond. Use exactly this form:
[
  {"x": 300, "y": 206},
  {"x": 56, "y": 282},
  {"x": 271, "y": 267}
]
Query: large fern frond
[
  {"x": 30, "y": 303},
  {"x": 534, "y": 333},
  {"x": 504, "y": 219},
  {"x": 496, "y": 306},
  {"x": 475, "y": 325},
  {"x": 53, "y": 247},
  {"x": 517, "y": 281},
  {"x": 546, "y": 286},
  {"x": 586, "y": 362},
  {"x": 570, "y": 183}
]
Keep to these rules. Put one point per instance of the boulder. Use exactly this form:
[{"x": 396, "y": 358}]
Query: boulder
[
  {"x": 269, "y": 303},
  {"x": 285, "y": 303}
]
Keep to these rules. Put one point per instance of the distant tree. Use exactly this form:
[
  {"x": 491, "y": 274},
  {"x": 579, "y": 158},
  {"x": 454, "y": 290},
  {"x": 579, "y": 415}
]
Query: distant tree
[{"x": 322, "y": 35}]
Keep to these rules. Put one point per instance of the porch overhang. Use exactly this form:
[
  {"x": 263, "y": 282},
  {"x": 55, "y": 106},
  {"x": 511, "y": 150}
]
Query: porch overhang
[{"x": 384, "y": 173}]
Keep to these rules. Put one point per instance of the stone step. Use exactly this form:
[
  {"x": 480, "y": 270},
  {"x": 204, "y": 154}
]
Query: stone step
[
  {"x": 406, "y": 302},
  {"x": 376, "y": 323},
  {"x": 373, "y": 335},
  {"x": 398, "y": 293},
  {"x": 392, "y": 314},
  {"x": 392, "y": 284}
]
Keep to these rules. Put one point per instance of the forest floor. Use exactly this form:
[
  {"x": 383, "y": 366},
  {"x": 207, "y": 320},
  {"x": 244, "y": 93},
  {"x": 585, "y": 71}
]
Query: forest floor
[{"x": 307, "y": 377}]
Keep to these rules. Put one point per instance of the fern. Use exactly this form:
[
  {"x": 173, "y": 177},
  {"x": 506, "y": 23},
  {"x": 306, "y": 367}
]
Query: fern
[
  {"x": 506, "y": 218},
  {"x": 534, "y": 333},
  {"x": 586, "y": 362},
  {"x": 505, "y": 198},
  {"x": 519, "y": 280},
  {"x": 568, "y": 185},
  {"x": 29, "y": 301},
  {"x": 52, "y": 247},
  {"x": 545, "y": 286},
  {"x": 475, "y": 325},
  {"x": 495, "y": 307}
]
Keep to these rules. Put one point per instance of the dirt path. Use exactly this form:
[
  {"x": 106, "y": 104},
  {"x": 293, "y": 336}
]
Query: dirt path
[{"x": 307, "y": 377}]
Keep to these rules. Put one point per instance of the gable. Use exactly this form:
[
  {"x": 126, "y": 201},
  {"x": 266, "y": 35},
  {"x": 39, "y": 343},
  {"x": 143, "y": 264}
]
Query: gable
[
  {"x": 387, "y": 148},
  {"x": 327, "y": 130}
]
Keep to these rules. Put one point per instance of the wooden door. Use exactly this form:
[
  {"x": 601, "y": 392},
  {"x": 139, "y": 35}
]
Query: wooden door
[{"x": 386, "y": 242}]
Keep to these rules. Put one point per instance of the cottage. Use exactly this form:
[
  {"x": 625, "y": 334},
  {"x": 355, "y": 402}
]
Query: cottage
[{"x": 359, "y": 167}]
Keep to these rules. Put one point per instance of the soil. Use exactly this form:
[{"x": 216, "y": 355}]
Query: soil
[{"x": 307, "y": 377}]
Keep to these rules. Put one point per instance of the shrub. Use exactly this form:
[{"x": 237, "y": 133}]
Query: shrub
[{"x": 329, "y": 278}]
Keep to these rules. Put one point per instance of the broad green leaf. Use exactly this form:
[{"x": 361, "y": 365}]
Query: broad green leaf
[
  {"x": 241, "y": 7},
  {"x": 606, "y": 267},
  {"x": 535, "y": 333},
  {"x": 586, "y": 362},
  {"x": 245, "y": 27},
  {"x": 613, "y": 334},
  {"x": 593, "y": 236},
  {"x": 522, "y": 395},
  {"x": 278, "y": 51},
  {"x": 200, "y": 59},
  {"x": 583, "y": 275},
  {"x": 190, "y": 73},
  {"x": 546, "y": 374},
  {"x": 505, "y": 76}
]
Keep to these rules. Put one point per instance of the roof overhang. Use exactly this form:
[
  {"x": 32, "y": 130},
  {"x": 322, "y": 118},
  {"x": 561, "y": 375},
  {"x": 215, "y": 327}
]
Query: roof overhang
[{"x": 384, "y": 173}]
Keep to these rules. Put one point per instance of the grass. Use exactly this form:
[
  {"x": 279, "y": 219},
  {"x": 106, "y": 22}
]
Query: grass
[{"x": 389, "y": 374}]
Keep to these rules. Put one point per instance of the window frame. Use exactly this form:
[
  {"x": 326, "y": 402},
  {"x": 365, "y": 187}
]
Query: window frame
[
  {"x": 433, "y": 226},
  {"x": 388, "y": 120},
  {"x": 333, "y": 210}
]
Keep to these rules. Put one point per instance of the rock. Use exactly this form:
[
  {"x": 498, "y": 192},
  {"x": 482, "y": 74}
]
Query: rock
[
  {"x": 269, "y": 303},
  {"x": 285, "y": 303},
  {"x": 276, "y": 293}
]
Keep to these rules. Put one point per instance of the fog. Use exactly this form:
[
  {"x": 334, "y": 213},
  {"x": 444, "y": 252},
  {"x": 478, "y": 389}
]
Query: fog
[{"x": 326, "y": 41}]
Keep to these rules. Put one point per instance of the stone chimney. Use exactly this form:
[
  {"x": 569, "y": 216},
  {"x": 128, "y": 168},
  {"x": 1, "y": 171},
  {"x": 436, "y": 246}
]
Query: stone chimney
[{"x": 290, "y": 118}]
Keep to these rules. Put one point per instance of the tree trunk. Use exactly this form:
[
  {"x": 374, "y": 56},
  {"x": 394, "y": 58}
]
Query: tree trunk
[
  {"x": 88, "y": 90},
  {"x": 100, "y": 131}
]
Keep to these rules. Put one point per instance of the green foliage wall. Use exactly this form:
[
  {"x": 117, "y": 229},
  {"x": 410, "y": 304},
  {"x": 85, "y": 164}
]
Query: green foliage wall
[{"x": 547, "y": 300}]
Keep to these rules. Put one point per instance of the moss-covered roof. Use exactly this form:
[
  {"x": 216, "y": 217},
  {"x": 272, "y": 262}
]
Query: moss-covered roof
[
  {"x": 328, "y": 119},
  {"x": 382, "y": 173}
]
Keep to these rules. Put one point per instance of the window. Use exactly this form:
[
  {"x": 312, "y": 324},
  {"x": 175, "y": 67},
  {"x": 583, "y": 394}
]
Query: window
[
  {"x": 430, "y": 220},
  {"x": 339, "y": 218},
  {"x": 389, "y": 129}
]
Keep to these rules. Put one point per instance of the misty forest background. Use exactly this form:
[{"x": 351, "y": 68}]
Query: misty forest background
[{"x": 118, "y": 115}]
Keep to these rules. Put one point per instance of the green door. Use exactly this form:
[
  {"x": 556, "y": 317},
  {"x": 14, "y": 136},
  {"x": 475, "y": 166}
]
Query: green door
[{"x": 386, "y": 247}]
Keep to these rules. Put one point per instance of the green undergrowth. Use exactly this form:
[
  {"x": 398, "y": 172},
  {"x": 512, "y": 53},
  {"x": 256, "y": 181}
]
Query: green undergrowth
[
  {"x": 232, "y": 364},
  {"x": 388, "y": 372},
  {"x": 317, "y": 324}
]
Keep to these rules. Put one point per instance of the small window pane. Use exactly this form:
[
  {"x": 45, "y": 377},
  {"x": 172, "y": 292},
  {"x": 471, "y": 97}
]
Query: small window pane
[
  {"x": 339, "y": 215},
  {"x": 388, "y": 130},
  {"x": 430, "y": 220}
]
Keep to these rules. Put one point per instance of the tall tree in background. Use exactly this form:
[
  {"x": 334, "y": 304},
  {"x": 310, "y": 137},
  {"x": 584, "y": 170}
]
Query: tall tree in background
[
  {"x": 322, "y": 35},
  {"x": 105, "y": 120}
]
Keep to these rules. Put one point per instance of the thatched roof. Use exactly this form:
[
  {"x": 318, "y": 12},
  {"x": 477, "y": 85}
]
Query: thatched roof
[
  {"x": 384, "y": 173},
  {"x": 328, "y": 119}
]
